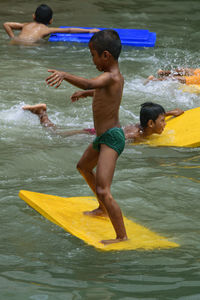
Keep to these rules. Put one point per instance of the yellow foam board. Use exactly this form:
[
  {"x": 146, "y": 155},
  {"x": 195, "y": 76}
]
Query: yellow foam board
[
  {"x": 68, "y": 214},
  {"x": 181, "y": 131},
  {"x": 190, "y": 88}
]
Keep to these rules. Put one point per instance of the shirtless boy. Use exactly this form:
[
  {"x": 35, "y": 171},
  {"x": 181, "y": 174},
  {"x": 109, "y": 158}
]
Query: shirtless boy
[
  {"x": 152, "y": 120},
  {"x": 185, "y": 76},
  {"x": 106, "y": 90},
  {"x": 38, "y": 29}
]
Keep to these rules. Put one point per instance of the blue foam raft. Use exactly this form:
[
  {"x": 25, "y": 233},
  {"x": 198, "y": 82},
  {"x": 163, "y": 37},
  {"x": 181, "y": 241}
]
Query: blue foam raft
[{"x": 129, "y": 37}]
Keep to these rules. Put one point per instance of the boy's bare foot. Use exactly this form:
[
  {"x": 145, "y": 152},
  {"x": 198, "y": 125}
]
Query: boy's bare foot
[
  {"x": 150, "y": 78},
  {"x": 36, "y": 109},
  {"x": 114, "y": 241},
  {"x": 40, "y": 110},
  {"x": 160, "y": 72},
  {"x": 98, "y": 212}
]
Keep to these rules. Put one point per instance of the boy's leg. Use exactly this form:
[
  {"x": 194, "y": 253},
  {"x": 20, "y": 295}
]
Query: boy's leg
[
  {"x": 41, "y": 111},
  {"x": 73, "y": 132},
  {"x": 85, "y": 166},
  {"x": 104, "y": 175}
]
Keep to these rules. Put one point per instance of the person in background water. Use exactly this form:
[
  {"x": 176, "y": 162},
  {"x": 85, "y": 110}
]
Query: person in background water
[
  {"x": 184, "y": 76},
  {"x": 34, "y": 31}
]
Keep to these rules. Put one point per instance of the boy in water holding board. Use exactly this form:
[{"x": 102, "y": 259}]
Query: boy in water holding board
[
  {"x": 38, "y": 29},
  {"x": 106, "y": 90},
  {"x": 152, "y": 121}
]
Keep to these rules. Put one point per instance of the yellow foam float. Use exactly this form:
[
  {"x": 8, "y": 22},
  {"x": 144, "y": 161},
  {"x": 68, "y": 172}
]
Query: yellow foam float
[
  {"x": 181, "y": 131},
  {"x": 191, "y": 88},
  {"x": 68, "y": 214}
]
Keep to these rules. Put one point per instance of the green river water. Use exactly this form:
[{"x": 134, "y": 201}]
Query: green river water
[{"x": 156, "y": 187}]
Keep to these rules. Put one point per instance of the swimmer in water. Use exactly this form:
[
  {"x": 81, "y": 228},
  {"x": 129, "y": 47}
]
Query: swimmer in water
[
  {"x": 152, "y": 120},
  {"x": 38, "y": 29}
]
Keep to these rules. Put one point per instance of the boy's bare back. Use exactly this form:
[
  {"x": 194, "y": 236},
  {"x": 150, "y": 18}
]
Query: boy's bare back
[{"x": 32, "y": 32}]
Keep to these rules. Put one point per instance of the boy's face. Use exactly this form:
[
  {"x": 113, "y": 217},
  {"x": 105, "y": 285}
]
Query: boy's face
[
  {"x": 98, "y": 60},
  {"x": 159, "y": 124}
]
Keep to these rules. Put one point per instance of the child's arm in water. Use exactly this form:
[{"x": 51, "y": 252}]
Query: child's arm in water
[
  {"x": 175, "y": 112},
  {"x": 10, "y": 26}
]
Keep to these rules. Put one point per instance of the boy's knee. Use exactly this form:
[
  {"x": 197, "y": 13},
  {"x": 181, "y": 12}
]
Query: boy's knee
[
  {"x": 103, "y": 193},
  {"x": 82, "y": 168}
]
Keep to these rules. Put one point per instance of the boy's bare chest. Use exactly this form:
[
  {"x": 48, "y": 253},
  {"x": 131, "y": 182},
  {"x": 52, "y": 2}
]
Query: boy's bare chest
[{"x": 105, "y": 104}]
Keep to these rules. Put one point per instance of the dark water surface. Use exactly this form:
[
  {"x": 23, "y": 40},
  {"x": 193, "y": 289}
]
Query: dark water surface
[{"x": 156, "y": 187}]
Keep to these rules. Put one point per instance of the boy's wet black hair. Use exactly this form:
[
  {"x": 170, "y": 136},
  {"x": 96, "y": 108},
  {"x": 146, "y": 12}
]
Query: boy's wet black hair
[
  {"x": 150, "y": 111},
  {"x": 43, "y": 14},
  {"x": 109, "y": 40}
]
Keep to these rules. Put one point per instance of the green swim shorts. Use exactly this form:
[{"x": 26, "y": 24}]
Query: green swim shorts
[{"x": 113, "y": 138}]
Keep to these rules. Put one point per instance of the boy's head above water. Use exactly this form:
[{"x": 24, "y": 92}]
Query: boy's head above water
[
  {"x": 43, "y": 14},
  {"x": 106, "y": 40},
  {"x": 152, "y": 116}
]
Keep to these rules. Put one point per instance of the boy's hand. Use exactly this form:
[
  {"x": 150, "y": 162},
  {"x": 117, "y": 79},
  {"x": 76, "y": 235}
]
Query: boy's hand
[
  {"x": 82, "y": 94},
  {"x": 175, "y": 112},
  {"x": 178, "y": 112},
  {"x": 77, "y": 95},
  {"x": 94, "y": 30},
  {"x": 56, "y": 78}
]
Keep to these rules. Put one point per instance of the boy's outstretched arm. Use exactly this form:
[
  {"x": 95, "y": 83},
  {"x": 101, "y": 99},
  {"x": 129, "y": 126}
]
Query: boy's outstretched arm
[
  {"x": 86, "y": 84},
  {"x": 10, "y": 26},
  {"x": 175, "y": 112},
  {"x": 71, "y": 30}
]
